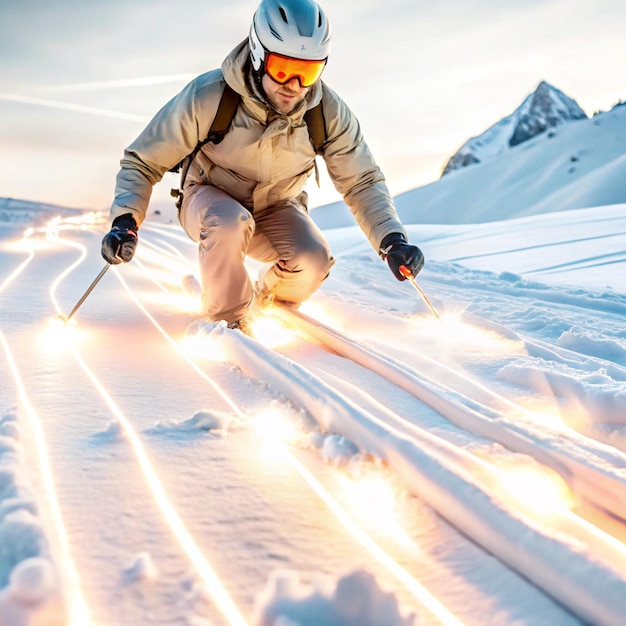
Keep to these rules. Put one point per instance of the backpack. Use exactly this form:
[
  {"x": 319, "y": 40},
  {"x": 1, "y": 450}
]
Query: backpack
[{"x": 228, "y": 105}]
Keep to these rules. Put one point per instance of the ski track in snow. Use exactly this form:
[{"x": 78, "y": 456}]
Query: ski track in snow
[{"x": 171, "y": 494}]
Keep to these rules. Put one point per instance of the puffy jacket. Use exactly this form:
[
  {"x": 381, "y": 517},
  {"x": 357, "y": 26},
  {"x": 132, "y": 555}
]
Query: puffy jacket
[{"x": 265, "y": 157}]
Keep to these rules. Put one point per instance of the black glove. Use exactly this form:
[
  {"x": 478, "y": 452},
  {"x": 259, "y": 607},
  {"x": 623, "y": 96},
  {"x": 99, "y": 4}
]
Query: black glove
[
  {"x": 399, "y": 254},
  {"x": 120, "y": 242}
]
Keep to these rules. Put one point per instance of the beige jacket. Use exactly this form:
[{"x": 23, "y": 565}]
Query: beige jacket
[{"x": 264, "y": 158}]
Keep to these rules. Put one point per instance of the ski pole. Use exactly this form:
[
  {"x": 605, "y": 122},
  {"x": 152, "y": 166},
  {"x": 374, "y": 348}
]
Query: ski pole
[
  {"x": 406, "y": 272},
  {"x": 84, "y": 297}
]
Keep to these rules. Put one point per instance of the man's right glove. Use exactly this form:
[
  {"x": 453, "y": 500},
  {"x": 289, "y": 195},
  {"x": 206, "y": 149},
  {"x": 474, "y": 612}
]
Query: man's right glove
[
  {"x": 120, "y": 242},
  {"x": 398, "y": 253}
]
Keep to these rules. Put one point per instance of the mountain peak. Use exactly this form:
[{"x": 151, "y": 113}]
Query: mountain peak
[{"x": 545, "y": 108}]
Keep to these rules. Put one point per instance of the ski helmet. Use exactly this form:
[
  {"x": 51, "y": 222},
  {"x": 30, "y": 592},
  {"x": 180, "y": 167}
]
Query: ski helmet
[{"x": 296, "y": 29}]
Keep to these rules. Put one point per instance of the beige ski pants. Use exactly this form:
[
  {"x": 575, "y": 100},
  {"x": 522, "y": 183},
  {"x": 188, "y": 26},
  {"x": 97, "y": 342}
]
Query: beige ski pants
[{"x": 226, "y": 232}]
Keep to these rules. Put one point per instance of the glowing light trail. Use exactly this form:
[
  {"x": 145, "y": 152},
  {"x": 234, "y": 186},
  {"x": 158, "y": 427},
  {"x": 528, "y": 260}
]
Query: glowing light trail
[
  {"x": 57, "y": 281},
  {"x": 216, "y": 589},
  {"x": 17, "y": 271},
  {"x": 191, "y": 363},
  {"x": 78, "y": 612},
  {"x": 174, "y": 253},
  {"x": 567, "y": 521},
  {"x": 186, "y": 541},
  {"x": 424, "y": 597}
]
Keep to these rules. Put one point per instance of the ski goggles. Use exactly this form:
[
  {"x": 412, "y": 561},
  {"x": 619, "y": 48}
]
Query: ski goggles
[{"x": 282, "y": 69}]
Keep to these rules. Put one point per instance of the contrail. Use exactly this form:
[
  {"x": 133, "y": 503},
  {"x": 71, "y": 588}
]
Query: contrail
[
  {"x": 115, "y": 84},
  {"x": 68, "y": 106}
]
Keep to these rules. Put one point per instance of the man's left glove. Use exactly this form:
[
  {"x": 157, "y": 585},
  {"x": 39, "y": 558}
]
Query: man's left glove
[
  {"x": 120, "y": 242},
  {"x": 398, "y": 253}
]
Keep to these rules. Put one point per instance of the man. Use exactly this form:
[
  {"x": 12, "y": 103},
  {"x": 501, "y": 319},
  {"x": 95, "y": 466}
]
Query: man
[{"x": 245, "y": 195}]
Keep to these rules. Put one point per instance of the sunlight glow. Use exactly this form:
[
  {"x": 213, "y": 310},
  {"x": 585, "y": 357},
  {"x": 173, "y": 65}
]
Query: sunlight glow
[
  {"x": 423, "y": 596},
  {"x": 271, "y": 331},
  {"x": 59, "y": 333},
  {"x": 59, "y": 223},
  {"x": 203, "y": 345},
  {"x": 320, "y": 311},
  {"x": 373, "y": 498},
  {"x": 30, "y": 244},
  {"x": 539, "y": 491},
  {"x": 314, "y": 309},
  {"x": 78, "y": 612},
  {"x": 275, "y": 431},
  {"x": 452, "y": 330}
]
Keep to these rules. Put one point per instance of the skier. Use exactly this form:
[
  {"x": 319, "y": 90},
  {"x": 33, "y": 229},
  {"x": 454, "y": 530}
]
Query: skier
[{"x": 245, "y": 195}]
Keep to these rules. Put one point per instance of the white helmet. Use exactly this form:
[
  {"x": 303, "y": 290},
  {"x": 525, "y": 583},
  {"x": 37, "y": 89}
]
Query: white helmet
[{"x": 291, "y": 28}]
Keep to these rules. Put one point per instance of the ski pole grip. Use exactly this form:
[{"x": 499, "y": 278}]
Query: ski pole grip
[{"x": 405, "y": 271}]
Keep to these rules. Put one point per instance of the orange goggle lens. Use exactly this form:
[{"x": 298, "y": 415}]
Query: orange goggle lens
[{"x": 282, "y": 69}]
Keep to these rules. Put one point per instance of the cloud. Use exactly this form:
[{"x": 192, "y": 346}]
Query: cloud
[
  {"x": 119, "y": 84},
  {"x": 69, "y": 106}
]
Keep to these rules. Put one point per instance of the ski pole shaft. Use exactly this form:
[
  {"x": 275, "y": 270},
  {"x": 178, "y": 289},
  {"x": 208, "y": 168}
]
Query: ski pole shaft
[
  {"x": 406, "y": 272},
  {"x": 89, "y": 290}
]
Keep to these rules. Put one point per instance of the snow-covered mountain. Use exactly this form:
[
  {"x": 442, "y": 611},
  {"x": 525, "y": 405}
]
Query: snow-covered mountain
[
  {"x": 22, "y": 212},
  {"x": 577, "y": 165},
  {"x": 544, "y": 109}
]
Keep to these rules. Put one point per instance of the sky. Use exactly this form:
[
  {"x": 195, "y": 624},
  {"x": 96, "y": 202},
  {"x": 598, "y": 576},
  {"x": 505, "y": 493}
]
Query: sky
[
  {"x": 79, "y": 80},
  {"x": 364, "y": 461}
]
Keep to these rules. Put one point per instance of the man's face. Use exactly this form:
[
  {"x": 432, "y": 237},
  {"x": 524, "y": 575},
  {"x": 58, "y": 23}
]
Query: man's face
[{"x": 284, "y": 98}]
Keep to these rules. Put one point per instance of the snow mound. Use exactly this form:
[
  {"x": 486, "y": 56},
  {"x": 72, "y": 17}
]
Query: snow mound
[
  {"x": 112, "y": 433},
  {"x": 599, "y": 398},
  {"x": 143, "y": 568},
  {"x": 28, "y": 583},
  {"x": 32, "y": 581},
  {"x": 589, "y": 342},
  {"x": 204, "y": 419},
  {"x": 356, "y": 600},
  {"x": 338, "y": 451}
]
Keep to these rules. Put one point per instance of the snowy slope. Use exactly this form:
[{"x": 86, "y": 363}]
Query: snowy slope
[{"x": 359, "y": 463}]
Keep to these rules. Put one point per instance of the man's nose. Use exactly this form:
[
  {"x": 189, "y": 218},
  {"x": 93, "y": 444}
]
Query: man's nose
[{"x": 294, "y": 83}]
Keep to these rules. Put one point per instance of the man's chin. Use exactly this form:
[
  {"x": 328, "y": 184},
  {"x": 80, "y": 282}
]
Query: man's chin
[{"x": 286, "y": 108}]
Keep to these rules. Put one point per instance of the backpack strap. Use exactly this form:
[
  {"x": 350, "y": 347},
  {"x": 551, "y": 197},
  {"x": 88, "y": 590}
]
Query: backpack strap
[
  {"x": 226, "y": 109},
  {"x": 229, "y": 102},
  {"x": 316, "y": 123}
]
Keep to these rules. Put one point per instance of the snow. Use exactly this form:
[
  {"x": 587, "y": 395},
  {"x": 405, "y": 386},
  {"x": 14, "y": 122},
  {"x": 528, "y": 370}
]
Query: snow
[
  {"x": 356, "y": 462},
  {"x": 357, "y": 600}
]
